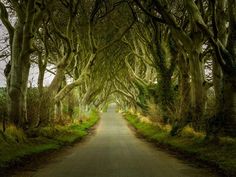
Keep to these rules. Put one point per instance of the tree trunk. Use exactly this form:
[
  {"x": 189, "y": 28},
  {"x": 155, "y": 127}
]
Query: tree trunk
[
  {"x": 197, "y": 90},
  {"x": 71, "y": 103},
  {"x": 229, "y": 77},
  {"x": 45, "y": 109},
  {"x": 184, "y": 89},
  {"x": 217, "y": 71},
  {"x": 218, "y": 85},
  {"x": 18, "y": 79},
  {"x": 229, "y": 106},
  {"x": 17, "y": 111},
  {"x": 42, "y": 65},
  {"x": 165, "y": 96},
  {"x": 183, "y": 117},
  {"x": 58, "y": 112},
  {"x": 47, "y": 101},
  {"x": 21, "y": 48}
]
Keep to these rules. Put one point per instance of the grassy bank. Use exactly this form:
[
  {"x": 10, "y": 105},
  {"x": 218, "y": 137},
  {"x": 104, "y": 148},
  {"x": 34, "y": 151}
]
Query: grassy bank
[
  {"x": 221, "y": 156},
  {"x": 15, "y": 146}
]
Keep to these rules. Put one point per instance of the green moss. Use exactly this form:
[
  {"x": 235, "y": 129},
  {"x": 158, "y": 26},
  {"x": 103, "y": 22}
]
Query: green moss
[{"x": 221, "y": 155}]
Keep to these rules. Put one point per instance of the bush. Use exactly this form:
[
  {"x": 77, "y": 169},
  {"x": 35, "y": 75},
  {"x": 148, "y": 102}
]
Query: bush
[
  {"x": 191, "y": 133},
  {"x": 3, "y": 103},
  {"x": 15, "y": 134}
]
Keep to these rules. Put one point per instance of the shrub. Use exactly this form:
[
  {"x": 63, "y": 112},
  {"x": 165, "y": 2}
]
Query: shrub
[
  {"x": 3, "y": 103},
  {"x": 191, "y": 133},
  {"x": 16, "y": 134}
]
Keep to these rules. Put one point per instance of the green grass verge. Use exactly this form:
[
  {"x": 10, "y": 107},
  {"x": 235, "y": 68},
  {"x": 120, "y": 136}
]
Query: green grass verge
[
  {"x": 221, "y": 155},
  {"x": 13, "y": 151}
]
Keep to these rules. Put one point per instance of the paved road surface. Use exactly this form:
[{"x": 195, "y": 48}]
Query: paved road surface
[{"x": 114, "y": 151}]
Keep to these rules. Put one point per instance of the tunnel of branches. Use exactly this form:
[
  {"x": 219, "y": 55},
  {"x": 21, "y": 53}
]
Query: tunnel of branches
[{"x": 171, "y": 61}]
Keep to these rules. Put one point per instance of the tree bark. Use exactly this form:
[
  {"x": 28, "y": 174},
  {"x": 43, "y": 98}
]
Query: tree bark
[
  {"x": 18, "y": 80},
  {"x": 47, "y": 102},
  {"x": 58, "y": 112},
  {"x": 229, "y": 76},
  {"x": 165, "y": 92},
  {"x": 229, "y": 106},
  {"x": 184, "y": 89},
  {"x": 20, "y": 42},
  {"x": 197, "y": 90}
]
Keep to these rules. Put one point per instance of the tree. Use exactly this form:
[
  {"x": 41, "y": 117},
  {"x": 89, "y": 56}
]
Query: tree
[{"x": 21, "y": 36}]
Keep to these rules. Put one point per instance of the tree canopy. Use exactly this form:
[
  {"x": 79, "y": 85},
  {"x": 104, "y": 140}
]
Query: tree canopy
[{"x": 173, "y": 61}]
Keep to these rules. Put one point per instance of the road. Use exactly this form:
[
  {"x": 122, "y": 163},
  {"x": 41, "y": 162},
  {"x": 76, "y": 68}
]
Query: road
[{"x": 114, "y": 151}]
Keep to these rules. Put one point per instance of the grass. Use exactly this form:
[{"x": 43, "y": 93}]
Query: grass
[
  {"x": 221, "y": 155},
  {"x": 15, "y": 146}
]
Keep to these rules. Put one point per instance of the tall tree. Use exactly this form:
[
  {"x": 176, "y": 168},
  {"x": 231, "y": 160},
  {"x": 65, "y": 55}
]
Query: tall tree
[{"x": 28, "y": 17}]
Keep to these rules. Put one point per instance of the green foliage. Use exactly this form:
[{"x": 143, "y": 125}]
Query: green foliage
[{"x": 190, "y": 143}]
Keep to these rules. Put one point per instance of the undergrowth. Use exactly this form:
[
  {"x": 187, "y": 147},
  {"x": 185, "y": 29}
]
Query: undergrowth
[
  {"x": 220, "y": 155},
  {"x": 15, "y": 145}
]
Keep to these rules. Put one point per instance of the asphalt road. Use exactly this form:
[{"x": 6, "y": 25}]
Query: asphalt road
[{"x": 114, "y": 151}]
